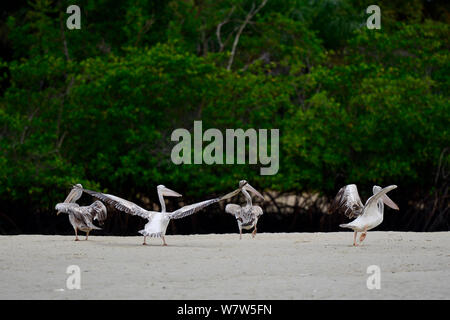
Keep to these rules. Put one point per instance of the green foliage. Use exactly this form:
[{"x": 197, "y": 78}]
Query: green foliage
[{"x": 352, "y": 105}]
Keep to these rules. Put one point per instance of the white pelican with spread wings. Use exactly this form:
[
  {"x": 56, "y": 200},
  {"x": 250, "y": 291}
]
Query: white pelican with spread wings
[
  {"x": 157, "y": 221},
  {"x": 82, "y": 218},
  {"x": 368, "y": 216}
]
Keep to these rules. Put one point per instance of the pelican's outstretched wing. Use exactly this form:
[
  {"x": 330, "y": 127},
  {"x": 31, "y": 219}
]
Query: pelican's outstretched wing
[
  {"x": 372, "y": 201},
  {"x": 82, "y": 215},
  {"x": 190, "y": 209},
  {"x": 193, "y": 208},
  {"x": 348, "y": 200},
  {"x": 120, "y": 204}
]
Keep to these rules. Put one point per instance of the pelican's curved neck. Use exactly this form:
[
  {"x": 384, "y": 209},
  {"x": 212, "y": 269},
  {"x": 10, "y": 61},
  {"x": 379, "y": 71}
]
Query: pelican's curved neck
[
  {"x": 161, "y": 201},
  {"x": 247, "y": 197}
]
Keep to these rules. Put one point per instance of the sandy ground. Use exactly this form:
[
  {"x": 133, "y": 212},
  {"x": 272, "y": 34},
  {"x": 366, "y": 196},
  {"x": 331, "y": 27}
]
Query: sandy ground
[{"x": 271, "y": 266}]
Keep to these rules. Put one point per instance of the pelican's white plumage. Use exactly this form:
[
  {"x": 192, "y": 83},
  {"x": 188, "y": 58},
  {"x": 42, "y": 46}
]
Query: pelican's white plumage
[
  {"x": 157, "y": 221},
  {"x": 368, "y": 216},
  {"x": 246, "y": 216},
  {"x": 81, "y": 218}
]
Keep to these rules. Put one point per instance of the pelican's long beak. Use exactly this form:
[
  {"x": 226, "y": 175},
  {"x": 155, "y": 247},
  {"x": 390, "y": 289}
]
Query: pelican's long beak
[
  {"x": 235, "y": 192},
  {"x": 70, "y": 196},
  {"x": 74, "y": 194},
  {"x": 169, "y": 193},
  {"x": 248, "y": 187},
  {"x": 387, "y": 201}
]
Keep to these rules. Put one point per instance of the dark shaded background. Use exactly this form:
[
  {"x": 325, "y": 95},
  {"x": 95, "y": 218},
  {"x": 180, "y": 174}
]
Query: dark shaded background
[{"x": 97, "y": 106}]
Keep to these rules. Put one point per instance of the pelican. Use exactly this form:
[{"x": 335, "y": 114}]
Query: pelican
[
  {"x": 368, "y": 216},
  {"x": 248, "y": 215},
  {"x": 81, "y": 217},
  {"x": 157, "y": 221}
]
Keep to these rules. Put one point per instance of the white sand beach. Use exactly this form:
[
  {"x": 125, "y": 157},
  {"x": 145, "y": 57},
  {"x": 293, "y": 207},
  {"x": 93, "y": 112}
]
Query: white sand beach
[{"x": 271, "y": 266}]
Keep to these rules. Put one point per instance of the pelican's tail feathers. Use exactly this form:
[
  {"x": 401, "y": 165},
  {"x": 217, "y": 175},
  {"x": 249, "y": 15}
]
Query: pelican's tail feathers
[
  {"x": 151, "y": 234},
  {"x": 345, "y": 225}
]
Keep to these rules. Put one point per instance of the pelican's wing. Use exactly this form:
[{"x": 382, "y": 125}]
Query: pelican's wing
[
  {"x": 67, "y": 207},
  {"x": 193, "y": 208},
  {"x": 257, "y": 211},
  {"x": 98, "y": 211},
  {"x": 373, "y": 200},
  {"x": 233, "y": 209},
  {"x": 348, "y": 200},
  {"x": 81, "y": 214},
  {"x": 120, "y": 204}
]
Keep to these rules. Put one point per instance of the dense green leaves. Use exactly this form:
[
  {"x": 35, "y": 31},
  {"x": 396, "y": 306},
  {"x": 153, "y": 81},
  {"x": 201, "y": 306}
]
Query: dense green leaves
[{"x": 98, "y": 105}]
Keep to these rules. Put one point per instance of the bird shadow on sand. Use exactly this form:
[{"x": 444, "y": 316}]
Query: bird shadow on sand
[
  {"x": 151, "y": 245},
  {"x": 336, "y": 245},
  {"x": 192, "y": 246}
]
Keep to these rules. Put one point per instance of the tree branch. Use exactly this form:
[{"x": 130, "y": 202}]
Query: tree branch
[
  {"x": 219, "y": 27},
  {"x": 249, "y": 16},
  {"x": 63, "y": 37}
]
